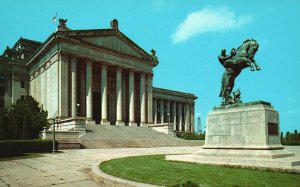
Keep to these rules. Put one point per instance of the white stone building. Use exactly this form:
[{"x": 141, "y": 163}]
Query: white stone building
[{"x": 101, "y": 76}]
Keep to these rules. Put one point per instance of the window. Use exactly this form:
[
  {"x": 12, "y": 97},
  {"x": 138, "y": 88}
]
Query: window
[
  {"x": 22, "y": 97},
  {"x": 2, "y": 78},
  {"x": 22, "y": 84},
  {"x": 2, "y": 90},
  {"x": 2, "y": 103}
]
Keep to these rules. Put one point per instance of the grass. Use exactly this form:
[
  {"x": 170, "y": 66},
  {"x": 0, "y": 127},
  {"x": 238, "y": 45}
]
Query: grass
[{"x": 155, "y": 170}]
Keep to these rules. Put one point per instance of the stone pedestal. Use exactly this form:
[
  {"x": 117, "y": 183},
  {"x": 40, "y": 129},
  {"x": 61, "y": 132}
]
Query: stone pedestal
[
  {"x": 246, "y": 135},
  {"x": 245, "y": 126}
]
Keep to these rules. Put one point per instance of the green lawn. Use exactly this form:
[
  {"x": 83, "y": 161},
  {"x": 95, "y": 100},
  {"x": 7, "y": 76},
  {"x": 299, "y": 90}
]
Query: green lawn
[{"x": 155, "y": 170}]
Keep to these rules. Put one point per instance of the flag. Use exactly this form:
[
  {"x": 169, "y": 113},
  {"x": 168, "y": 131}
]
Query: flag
[{"x": 54, "y": 18}]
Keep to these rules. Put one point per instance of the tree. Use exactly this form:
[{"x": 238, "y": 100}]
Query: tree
[
  {"x": 3, "y": 124},
  {"x": 26, "y": 119},
  {"x": 296, "y": 137},
  {"x": 281, "y": 137},
  {"x": 288, "y": 136}
]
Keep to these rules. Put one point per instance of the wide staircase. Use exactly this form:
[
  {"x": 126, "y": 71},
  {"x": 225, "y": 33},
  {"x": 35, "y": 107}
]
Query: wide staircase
[{"x": 110, "y": 136}]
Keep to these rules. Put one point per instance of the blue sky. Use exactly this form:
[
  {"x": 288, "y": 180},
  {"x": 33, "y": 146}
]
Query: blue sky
[{"x": 188, "y": 36}]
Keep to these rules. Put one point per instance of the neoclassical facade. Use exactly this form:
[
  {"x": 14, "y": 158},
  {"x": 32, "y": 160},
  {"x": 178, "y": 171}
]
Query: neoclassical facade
[{"x": 100, "y": 76}]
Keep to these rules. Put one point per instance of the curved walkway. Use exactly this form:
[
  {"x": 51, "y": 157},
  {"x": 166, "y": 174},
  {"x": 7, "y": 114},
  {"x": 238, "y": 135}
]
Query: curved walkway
[{"x": 71, "y": 167}]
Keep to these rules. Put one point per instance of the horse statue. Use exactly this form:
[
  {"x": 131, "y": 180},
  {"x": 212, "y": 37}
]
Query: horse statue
[{"x": 239, "y": 59}]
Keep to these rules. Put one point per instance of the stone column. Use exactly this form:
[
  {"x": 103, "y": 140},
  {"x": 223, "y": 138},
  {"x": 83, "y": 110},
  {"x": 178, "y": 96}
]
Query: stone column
[
  {"x": 155, "y": 110},
  {"x": 73, "y": 87},
  {"x": 180, "y": 116},
  {"x": 192, "y": 117},
  {"x": 131, "y": 98},
  {"x": 88, "y": 90},
  {"x": 124, "y": 97},
  {"x": 46, "y": 88},
  {"x": 119, "y": 96},
  {"x": 62, "y": 85},
  {"x": 104, "y": 119},
  {"x": 168, "y": 111},
  {"x": 150, "y": 99},
  {"x": 43, "y": 86},
  {"x": 187, "y": 117},
  {"x": 142, "y": 98},
  {"x": 162, "y": 111},
  {"x": 173, "y": 116}
]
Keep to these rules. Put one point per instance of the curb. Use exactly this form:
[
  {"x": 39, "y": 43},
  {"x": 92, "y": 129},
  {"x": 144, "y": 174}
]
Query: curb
[{"x": 110, "y": 181}]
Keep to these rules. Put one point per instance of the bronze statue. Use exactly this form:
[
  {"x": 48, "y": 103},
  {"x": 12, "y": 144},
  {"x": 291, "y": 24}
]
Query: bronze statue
[
  {"x": 239, "y": 58},
  {"x": 62, "y": 22}
]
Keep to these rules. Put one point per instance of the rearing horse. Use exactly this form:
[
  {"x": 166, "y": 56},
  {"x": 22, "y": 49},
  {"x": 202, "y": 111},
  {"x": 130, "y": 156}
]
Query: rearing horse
[
  {"x": 245, "y": 54},
  {"x": 240, "y": 58}
]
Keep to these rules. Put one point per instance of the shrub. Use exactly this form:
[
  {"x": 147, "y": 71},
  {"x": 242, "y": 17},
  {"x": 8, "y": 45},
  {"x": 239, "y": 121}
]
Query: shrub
[
  {"x": 190, "y": 136},
  {"x": 290, "y": 142},
  {"x": 23, "y": 120},
  {"x": 11, "y": 147}
]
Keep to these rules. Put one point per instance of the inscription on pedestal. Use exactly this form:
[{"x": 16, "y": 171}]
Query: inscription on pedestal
[
  {"x": 249, "y": 126},
  {"x": 273, "y": 129}
]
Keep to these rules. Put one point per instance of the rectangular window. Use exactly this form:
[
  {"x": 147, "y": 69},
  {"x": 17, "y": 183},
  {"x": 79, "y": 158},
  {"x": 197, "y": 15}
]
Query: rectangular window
[
  {"x": 2, "y": 90},
  {"x": 2, "y": 103},
  {"x": 22, "y": 84},
  {"x": 273, "y": 129},
  {"x": 2, "y": 79}
]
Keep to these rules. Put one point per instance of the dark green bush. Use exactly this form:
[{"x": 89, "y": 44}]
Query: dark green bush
[
  {"x": 290, "y": 142},
  {"x": 11, "y": 147},
  {"x": 190, "y": 136}
]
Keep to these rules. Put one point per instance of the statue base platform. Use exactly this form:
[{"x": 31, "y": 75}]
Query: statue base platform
[{"x": 244, "y": 134}]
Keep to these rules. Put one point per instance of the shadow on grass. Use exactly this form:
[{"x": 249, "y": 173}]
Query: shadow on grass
[{"x": 186, "y": 184}]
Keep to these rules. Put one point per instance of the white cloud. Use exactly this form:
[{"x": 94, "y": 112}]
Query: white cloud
[{"x": 206, "y": 20}]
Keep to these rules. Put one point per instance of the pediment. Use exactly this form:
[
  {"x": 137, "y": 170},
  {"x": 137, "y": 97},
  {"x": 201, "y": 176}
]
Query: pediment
[{"x": 114, "y": 43}]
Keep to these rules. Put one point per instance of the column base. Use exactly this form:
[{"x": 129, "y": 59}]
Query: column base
[
  {"x": 105, "y": 122},
  {"x": 90, "y": 122},
  {"x": 132, "y": 124},
  {"x": 120, "y": 123},
  {"x": 144, "y": 124}
]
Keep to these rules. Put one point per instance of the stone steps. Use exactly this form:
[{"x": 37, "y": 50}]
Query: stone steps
[{"x": 110, "y": 136}]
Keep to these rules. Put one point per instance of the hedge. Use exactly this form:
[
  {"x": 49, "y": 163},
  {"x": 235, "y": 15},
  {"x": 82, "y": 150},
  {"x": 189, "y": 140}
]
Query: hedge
[
  {"x": 290, "y": 142},
  {"x": 11, "y": 147},
  {"x": 190, "y": 136}
]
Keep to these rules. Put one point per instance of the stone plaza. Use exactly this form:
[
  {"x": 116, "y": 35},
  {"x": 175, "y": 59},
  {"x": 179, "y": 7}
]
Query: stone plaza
[{"x": 73, "y": 167}]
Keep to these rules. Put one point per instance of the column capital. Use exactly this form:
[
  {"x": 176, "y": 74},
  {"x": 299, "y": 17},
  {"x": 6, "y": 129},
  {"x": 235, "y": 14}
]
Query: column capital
[
  {"x": 88, "y": 63},
  {"x": 104, "y": 64},
  {"x": 149, "y": 75},
  {"x": 63, "y": 55},
  {"x": 73, "y": 57},
  {"x": 119, "y": 69}
]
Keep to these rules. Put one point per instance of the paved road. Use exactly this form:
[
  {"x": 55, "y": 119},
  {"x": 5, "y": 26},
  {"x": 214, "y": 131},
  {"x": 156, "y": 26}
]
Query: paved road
[{"x": 71, "y": 167}]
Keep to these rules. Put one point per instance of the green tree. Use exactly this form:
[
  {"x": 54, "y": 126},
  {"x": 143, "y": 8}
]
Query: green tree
[
  {"x": 3, "y": 124},
  {"x": 288, "y": 136},
  {"x": 281, "y": 137},
  {"x": 26, "y": 119},
  {"x": 296, "y": 136}
]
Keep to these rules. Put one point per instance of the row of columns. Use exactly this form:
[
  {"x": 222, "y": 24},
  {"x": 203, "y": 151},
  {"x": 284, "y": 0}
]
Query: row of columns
[
  {"x": 178, "y": 113},
  {"x": 144, "y": 88}
]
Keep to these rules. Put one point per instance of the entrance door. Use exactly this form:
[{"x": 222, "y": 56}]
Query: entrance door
[{"x": 97, "y": 107}]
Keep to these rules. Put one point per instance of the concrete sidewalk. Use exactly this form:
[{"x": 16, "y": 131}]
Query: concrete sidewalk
[{"x": 70, "y": 167}]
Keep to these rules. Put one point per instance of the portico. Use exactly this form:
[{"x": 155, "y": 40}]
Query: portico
[{"x": 102, "y": 77}]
